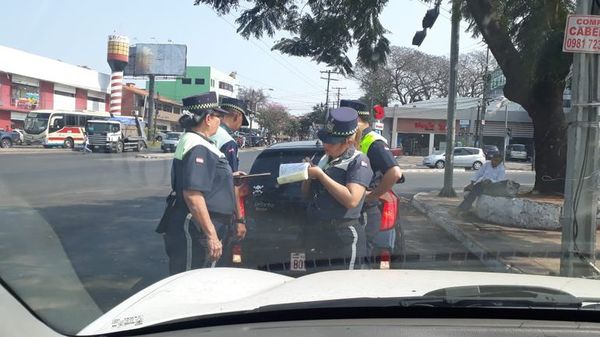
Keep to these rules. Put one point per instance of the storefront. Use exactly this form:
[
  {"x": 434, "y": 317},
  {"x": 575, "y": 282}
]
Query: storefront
[{"x": 421, "y": 127}]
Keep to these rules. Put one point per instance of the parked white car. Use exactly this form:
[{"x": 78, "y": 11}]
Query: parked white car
[
  {"x": 516, "y": 152},
  {"x": 468, "y": 157}
]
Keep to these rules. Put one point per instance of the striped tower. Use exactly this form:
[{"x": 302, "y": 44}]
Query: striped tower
[{"x": 118, "y": 57}]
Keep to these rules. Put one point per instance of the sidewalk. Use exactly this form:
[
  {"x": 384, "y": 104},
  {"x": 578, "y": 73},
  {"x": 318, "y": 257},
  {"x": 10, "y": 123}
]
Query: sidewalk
[{"x": 500, "y": 248}]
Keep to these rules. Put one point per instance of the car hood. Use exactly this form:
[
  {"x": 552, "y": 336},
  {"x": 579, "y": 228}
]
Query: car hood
[{"x": 227, "y": 290}]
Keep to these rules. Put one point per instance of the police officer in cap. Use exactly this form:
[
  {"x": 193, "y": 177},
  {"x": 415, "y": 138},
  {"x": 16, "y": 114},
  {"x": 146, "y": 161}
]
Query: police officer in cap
[
  {"x": 386, "y": 174},
  {"x": 231, "y": 123},
  {"x": 203, "y": 183},
  {"x": 337, "y": 186},
  {"x": 225, "y": 142}
]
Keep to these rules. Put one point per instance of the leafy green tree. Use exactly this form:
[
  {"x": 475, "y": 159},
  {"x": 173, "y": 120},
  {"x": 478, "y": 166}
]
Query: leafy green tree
[{"x": 524, "y": 36}]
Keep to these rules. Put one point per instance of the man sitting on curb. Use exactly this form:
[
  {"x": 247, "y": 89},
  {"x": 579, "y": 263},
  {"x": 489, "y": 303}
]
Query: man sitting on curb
[{"x": 491, "y": 172}]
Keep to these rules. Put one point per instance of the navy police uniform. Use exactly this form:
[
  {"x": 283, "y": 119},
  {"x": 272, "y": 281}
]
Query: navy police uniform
[
  {"x": 376, "y": 148},
  {"x": 198, "y": 166},
  {"x": 340, "y": 234},
  {"x": 224, "y": 138}
]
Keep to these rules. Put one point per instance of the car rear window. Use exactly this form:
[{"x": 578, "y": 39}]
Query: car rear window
[
  {"x": 518, "y": 147},
  {"x": 269, "y": 161}
]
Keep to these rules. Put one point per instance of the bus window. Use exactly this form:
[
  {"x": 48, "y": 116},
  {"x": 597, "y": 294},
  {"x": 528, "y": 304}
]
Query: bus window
[
  {"x": 71, "y": 120},
  {"x": 57, "y": 123}
]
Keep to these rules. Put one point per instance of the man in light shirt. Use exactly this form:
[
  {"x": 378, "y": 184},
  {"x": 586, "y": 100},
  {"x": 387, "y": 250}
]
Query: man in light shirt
[{"x": 491, "y": 172}]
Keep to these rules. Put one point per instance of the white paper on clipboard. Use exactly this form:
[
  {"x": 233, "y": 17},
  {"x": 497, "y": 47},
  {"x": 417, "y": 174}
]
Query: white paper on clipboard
[{"x": 293, "y": 172}]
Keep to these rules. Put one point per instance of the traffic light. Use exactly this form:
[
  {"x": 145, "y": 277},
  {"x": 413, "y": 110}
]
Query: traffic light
[
  {"x": 427, "y": 23},
  {"x": 419, "y": 37},
  {"x": 430, "y": 17}
]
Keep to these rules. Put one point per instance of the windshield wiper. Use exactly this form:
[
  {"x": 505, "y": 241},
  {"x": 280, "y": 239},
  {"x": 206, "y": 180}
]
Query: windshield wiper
[{"x": 496, "y": 296}]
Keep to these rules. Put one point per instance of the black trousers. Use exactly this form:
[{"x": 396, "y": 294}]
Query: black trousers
[
  {"x": 343, "y": 247},
  {"x": 467, "y": 203},
  {"x": 187, "y": 249}
]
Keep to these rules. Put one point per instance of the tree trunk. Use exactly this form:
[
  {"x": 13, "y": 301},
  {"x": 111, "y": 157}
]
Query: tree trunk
[{"x": 550, "y": 136}]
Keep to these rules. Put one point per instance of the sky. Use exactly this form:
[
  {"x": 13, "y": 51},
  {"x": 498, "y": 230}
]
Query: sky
[{"x": 76, "y": 32}]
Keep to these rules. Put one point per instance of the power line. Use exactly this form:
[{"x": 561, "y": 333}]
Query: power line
[
  {"x": 338, "y": 94},
  {"x": 266, "y": 52},
  {"x": 329, "y": 79}
]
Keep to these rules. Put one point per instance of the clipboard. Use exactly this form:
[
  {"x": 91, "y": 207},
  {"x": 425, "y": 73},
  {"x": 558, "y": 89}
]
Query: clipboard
[{"x": 252, "y": 175}]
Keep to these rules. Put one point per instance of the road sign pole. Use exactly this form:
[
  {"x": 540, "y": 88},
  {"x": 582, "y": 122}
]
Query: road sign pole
[{"x": 578, "y": 217}]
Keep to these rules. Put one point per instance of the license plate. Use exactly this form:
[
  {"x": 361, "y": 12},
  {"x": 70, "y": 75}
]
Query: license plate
[{"x": 297, "y": 262}]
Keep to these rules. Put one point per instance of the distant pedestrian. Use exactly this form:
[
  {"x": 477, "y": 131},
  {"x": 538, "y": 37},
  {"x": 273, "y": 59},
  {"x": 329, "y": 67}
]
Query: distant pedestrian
[
  {"x": 86, "y": 144},
  {"x": 491, "y": 172}
]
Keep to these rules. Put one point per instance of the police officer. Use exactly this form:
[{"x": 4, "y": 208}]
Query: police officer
[
  {"x": 386, "y": 173},
  {"x": 225, "y": 142},
  {"x": 231, "y": 123},
  {"x": 337, "y": 187},
  {"x": 203, "y": 184}
]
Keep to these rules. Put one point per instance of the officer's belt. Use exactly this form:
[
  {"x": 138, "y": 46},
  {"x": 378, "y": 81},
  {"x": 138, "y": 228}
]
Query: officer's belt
[
  {"x": 224, "y": 218},
  {"x": 339, "y": 223}
]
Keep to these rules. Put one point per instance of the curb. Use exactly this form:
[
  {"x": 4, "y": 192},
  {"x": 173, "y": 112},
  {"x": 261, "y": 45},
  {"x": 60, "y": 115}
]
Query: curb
[
  {"x": 428, "y": 170},
  {"x": 491, "y": 262}
]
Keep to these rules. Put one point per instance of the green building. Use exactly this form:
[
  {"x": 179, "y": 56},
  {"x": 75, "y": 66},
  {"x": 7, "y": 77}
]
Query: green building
[{"x": 197, "y": 80}]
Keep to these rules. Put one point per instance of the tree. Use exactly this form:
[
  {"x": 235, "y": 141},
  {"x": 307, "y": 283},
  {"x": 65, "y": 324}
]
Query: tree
[
  {"x": 273, "y": 117},
  {"x": 525, "y": 37},
  {"x": 375, "y": 84},
  {"x": 312, "y": 120},
  {"x": 253, "y": 97}
]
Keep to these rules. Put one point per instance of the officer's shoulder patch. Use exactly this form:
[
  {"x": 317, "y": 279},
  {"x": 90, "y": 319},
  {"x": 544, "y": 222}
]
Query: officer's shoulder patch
[
  {"x": 364, "y": 163},
  {"x": 199, "y": 160}
]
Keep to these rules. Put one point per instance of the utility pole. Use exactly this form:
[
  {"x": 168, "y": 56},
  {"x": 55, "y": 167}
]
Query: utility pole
[
  {"x": 484, "y": 98},
  {"x": 448, "y": 190},
  {"x": 578, "y": 218},
  {"x": 329, "y": 79},
  {"x": 151, "y": 107},
  {"x": 338, "y": 95}
]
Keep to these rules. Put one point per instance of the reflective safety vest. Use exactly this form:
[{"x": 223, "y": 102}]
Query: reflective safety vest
[
  {"x": 368, "y": 139},
  {"x": 222, "y": 137},
  {"x": 324, "y": 163}
]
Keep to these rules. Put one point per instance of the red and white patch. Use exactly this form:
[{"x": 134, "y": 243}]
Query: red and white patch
[
  {"x": 199, "y": 160},
  {"x": 231, "y": 150}
]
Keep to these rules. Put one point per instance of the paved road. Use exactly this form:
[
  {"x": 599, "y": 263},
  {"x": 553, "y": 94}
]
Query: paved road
[{"x": 99, "y": 212}]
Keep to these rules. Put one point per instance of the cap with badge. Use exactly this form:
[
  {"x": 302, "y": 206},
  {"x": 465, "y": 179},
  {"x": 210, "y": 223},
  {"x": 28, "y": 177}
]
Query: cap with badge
[
  {"x": 235, "y": 104},
  {"x": 341, "y": 124},
  {"x": 202, "y": 104},
  {"x": 361, "y": 108}
]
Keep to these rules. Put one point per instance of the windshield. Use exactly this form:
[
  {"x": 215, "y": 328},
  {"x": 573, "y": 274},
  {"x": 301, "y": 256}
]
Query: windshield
[
  {"x": 99, "y": 127},
  {"x": 36, "y": 123},
  {"x": 182, "y": 160}
]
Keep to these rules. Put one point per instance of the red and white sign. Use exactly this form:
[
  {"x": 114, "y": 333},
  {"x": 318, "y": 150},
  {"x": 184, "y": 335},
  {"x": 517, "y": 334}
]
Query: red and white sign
[
  {"x": 582, "y": 34},
  {"x": 378, "y": 125}
]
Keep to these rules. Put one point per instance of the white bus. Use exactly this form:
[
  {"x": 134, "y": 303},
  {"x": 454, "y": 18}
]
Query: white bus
[{"x": 58, "y": 127}]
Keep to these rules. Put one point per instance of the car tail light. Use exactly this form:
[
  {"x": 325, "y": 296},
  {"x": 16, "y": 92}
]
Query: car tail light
[
  {"x": 389, "y": 211},
  {"x": 236, "y": 253},
  {"x": 385, "y": 259}
]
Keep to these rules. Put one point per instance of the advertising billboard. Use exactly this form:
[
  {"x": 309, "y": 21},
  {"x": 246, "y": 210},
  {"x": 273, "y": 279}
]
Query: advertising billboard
[{"x": 156, "y": 59}]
